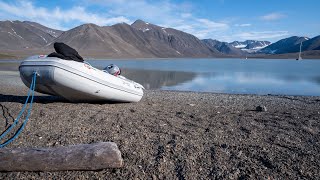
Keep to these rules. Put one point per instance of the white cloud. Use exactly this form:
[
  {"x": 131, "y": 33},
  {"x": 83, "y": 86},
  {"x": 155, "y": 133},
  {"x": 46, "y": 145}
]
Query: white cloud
[
  {"x": 108, "y": 12},
  {"x": 165, "y": 13},
  {"x": 261, "y": 35},
  {"x": 186, "y": 15},
  {"x": 55, "y": 18},
  {"x": 273, "y": 16},
  {"x": 213, "y": 25},
  {"x": 242, "y": 25}
]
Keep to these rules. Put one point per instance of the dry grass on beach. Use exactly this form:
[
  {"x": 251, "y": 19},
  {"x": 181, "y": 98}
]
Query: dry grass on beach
[{"x": 177, "y": 135}]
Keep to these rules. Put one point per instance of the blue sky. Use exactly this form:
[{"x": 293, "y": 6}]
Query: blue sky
[{"x": 224, "y": 20}]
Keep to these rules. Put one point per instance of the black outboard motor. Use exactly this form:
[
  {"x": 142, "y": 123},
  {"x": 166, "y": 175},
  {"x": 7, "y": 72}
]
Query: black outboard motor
[{"x": 66, "y": 52}]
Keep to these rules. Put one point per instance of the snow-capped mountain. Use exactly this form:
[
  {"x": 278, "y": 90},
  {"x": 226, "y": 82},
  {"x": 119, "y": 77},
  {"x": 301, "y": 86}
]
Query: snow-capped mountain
[{"x": 250, "y": 46}]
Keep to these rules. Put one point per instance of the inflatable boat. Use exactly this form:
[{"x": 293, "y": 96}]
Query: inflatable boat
[{"x": 78, "y": 81}]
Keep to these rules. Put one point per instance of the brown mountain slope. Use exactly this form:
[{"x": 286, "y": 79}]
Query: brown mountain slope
[
  {"x": 183, "y": 44},
  {"x": 125, "y": 41},
  {"x": 17, "y": 35},
  {"x": 93, "y": 40}
]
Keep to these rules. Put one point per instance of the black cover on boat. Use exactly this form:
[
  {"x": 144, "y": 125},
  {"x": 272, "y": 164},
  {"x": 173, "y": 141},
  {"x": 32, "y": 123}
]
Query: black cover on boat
[
  {"x": 66, "y": 52},
  {"x": 54, "y": 54}
]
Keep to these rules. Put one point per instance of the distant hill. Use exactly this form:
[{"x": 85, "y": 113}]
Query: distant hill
[
  {"x": 182, "y": 44},
  {"x": 311, "y": 44},
  {"x": 93, "y": 40},
  {"x": 250, "y": 45},
  {"x": 287, "y": 45},
  {"x": 138, "y": 40},
  {"x": 223, "y": 47},
  {"x": 17, "y": 35}
]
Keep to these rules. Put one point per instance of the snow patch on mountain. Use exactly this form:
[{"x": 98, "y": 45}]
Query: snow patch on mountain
[
  {"x": 240, "y": 46},
  {"x": 145, "y": 29},
  {"x": 250, "y": 46},
  {"x": 16, "y": 33},
  {"x": 43, "y": 39}
]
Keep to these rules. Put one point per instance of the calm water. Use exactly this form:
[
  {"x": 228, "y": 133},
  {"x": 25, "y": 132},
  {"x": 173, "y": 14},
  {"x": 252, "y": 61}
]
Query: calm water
[{"x": 286, "y": 77}]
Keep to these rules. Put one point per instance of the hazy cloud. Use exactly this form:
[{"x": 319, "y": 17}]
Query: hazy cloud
[
  {"x": 273, "y": 16},
  {"x": 55, "y": 18},
  {"x": 242, "y": 25},
  {"x": 165, "y": 13},
  {"x": 186, "y": 15},
  {"x": 261, "y": 35},
  {"x": 108, "y": 12}
]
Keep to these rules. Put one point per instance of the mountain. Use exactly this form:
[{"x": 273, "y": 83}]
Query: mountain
[
  {"x": 94, "y": 40},
  {"x": 311, "y": 44},
  {"x": 250, "y": 46},
  {"x": 257, "y": 44},
  {"x": 182, "y": 44},
  {"x": 17, "y": 35},
  {"x": 287, "y": 45},
  {"x": 53, "y": 32},
  {"x": 138, "y": 40},
  {"x": 222, "y": 47}
]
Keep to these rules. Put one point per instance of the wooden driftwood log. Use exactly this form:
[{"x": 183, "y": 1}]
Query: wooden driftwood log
[{"x": 77, "y": 157}]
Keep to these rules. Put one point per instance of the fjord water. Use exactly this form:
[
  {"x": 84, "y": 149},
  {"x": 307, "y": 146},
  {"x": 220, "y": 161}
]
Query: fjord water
[{"x": 235, "y": 76}]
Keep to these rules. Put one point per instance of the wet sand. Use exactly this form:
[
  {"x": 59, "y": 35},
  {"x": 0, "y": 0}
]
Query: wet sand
[{"x": 175, "y": 135}]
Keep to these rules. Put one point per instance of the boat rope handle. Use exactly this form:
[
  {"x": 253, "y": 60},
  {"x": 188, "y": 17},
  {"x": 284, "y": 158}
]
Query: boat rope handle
[{"x": 30, "y": 92}]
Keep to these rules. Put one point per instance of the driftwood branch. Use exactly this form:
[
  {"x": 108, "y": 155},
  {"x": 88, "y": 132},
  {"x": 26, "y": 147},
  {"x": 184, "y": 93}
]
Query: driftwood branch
[{"x": 77, "y": 157}]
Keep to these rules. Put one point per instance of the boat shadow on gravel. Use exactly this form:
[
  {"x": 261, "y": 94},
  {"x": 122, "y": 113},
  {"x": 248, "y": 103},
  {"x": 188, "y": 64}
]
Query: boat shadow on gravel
[
  {"x": 37, "y": 99},
  {"x": 45, "y": 100}
]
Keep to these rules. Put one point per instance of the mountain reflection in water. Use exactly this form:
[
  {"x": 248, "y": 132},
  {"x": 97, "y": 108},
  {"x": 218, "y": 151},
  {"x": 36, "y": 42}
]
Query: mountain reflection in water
[
  {"x": 234, "y": 76},
  {"x": 152, "y": 79}
]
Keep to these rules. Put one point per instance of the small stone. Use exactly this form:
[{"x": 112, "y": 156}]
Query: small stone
[
  {"x": 224, "y": 146},
  {"x": 154, "y": 177},
  {"x": 239, "y": 154},
  {"x": 191, "y": 104},
  {"x": 261, "y": 108}
]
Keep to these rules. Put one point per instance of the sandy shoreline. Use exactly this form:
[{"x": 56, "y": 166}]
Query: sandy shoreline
[{"x": 176, "y": 135}]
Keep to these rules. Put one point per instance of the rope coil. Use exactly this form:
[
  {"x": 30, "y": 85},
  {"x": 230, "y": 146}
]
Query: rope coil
[{"x": 30, "y": 92}]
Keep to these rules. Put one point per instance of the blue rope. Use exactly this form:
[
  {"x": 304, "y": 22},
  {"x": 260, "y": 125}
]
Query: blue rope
[
  {"x": 21, "y": 112},
  {"x": 32, "y": 88}
]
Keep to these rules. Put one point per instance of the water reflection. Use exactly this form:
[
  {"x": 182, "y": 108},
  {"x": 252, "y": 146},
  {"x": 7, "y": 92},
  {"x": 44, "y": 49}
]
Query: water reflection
[
  {"x": 250, "y": 83},
  {"x": 287, "y": 77},
  {"x": 152, "y": 79}
]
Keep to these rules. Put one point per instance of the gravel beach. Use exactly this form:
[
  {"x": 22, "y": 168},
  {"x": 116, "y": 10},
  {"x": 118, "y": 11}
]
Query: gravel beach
[{"x": 175, "y": 135}]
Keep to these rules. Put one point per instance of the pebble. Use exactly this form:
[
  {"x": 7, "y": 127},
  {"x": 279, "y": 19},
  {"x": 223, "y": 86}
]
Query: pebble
[
  {"x": 261, "y": 108},
  {"x": 224, "y": 146}
]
